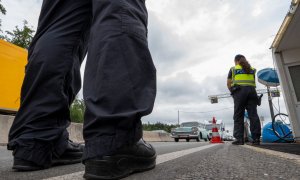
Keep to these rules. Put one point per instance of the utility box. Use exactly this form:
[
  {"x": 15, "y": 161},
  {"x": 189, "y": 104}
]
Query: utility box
[
  {"x": 214, "y": 99},
  {"x": 12, "y": 70}
]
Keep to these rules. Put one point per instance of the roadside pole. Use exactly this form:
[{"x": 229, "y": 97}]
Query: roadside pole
[{"x": 178, "y": 118}]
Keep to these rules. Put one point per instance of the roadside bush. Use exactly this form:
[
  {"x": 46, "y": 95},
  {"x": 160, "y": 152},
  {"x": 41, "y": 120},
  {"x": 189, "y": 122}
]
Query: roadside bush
[
  {"x": 158, "y": 126},
  {"x": 77, "y": 111}
]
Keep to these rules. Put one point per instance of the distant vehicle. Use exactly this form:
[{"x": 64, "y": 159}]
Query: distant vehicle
[
  {"x": 190, "y": 130},
  {"x": 227, "y": 136},
  {"x": 220, "y": 125}
]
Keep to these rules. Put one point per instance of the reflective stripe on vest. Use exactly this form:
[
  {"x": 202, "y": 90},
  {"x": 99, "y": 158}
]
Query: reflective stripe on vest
[{"x": 240, "y": 77}]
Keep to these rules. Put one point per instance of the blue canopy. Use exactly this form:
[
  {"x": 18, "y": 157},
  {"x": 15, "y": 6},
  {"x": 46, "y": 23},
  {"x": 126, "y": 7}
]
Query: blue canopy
[{"x": 268, "y": 77}]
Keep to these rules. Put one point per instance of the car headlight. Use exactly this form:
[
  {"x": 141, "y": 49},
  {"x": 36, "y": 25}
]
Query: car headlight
[{"x": 194, "y": 130}]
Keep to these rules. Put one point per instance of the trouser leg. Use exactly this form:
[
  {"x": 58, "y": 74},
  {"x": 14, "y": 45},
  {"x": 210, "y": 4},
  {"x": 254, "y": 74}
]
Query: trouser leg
[
  {"x": 240, "y": 99},
  {"x": 51, "y": 81},
  {"x": 255, "y": 126},
  {"x": 120, "y": 78}
]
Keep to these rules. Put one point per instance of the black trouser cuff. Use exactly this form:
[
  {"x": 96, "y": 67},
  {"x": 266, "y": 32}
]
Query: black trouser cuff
[{"x": 40, "y": 153}]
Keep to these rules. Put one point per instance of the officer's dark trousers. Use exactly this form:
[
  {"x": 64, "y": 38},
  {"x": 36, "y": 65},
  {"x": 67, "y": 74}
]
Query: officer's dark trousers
[
  {"x": 119, "y": 81},
  {"x": 246, "y": 99}
]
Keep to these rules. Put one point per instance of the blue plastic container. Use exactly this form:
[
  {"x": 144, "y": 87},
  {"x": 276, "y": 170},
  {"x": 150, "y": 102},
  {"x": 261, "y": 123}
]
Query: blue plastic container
[{"x": 268, "y": 135}]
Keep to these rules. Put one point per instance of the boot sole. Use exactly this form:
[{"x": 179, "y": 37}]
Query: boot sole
[
  {"x": 26, "y": 168},
  {"x": 71, "y": 158},
  {"x": 238, "y": 144},
  {"x": 54, "y": 163},
  {"x": 117, "y": 167},
  {"x": 65, "y": 162}
]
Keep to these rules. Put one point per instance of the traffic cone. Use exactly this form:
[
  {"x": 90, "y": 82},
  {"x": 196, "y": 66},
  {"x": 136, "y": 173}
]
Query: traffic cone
[{"x": 215, "y": 138}]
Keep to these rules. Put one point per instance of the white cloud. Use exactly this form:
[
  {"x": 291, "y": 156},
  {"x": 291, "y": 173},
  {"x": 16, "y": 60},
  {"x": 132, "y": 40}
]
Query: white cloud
[
  {"x": 257, "y": 11},
  {"x": 20, "y": 10}
]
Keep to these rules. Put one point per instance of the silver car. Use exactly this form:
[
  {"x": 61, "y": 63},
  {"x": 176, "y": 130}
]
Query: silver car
[{"x": 189, "y": 130}]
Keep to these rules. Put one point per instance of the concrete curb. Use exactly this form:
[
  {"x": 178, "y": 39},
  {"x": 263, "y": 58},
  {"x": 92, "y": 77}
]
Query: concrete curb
[
  {"x": 156, "y": 136},
  {"x": 291, "y": 157},
  {"x": 5, "y": 124},
  {"x": 75, "y": 132},
  {"x": 165, "y": 137}
]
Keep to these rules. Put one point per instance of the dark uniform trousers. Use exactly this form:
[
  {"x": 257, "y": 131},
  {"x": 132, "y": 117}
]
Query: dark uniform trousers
[
  {"x": 246, "y": 98},
  {"x": 119, "y": 80}
]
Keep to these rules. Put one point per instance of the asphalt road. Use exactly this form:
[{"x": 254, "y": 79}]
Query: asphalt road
[{"x": 183, "y": 160}]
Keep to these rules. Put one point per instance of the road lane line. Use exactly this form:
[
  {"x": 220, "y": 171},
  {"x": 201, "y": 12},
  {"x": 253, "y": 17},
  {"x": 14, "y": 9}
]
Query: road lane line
[
  {"x": 160, "y": 159},
  {"x": 177, "y": 154},
  {"x": 293, "y": 157}
]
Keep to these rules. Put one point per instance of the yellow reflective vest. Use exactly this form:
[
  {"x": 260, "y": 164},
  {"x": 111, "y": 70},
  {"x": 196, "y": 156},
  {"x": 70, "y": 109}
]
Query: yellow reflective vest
[{"x": 241, "y": 78}]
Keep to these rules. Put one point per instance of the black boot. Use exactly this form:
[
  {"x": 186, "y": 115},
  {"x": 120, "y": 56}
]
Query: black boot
[
  {"x": 73, "y": 154},
  {"x": 238, "y": 142},
  {"x": 135, "y": 158},
  {"x": 256, "y": 142}
]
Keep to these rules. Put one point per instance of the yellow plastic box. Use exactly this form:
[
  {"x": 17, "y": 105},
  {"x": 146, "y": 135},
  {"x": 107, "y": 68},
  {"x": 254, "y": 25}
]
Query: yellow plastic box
[{"x": 12, "y": 70}]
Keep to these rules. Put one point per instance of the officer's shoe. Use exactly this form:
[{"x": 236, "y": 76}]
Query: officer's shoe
[
  {"x": 135, "y": 158},
  {"x": 23, "y": 165},
  {"x": 73, "y": 154},
  {"x": 256, "y": 142},
  {"x": 238, "y": 142}
]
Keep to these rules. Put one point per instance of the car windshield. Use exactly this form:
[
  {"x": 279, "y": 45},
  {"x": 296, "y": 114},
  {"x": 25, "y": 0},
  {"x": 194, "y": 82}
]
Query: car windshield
[{"x": 189, "y": 124}]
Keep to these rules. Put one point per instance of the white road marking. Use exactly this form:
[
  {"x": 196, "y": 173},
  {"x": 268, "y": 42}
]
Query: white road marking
[
  {"x": 174, "y": 155},
  {"x": 293, "y": 157},
  {"x": 160, "y": 159}
]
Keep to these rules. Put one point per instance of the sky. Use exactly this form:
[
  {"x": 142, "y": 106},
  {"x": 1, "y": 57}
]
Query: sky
[{"x": 193, "y": 43}]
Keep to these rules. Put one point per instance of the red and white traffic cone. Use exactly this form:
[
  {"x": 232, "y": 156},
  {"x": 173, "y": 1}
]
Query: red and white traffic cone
[{"x": 215, "y": 138}]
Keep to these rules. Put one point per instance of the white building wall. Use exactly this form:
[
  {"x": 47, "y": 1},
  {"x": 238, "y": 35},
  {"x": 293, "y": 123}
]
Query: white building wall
[{"x": 283, "y": 60}]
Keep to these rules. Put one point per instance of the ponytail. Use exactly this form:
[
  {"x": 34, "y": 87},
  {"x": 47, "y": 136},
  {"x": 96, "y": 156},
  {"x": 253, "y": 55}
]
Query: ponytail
[{"x": 243, "y": 62}]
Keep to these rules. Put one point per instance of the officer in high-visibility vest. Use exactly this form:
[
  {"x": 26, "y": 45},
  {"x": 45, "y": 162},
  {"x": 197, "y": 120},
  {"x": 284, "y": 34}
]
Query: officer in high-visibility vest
[{"x": 241, "y": 84}]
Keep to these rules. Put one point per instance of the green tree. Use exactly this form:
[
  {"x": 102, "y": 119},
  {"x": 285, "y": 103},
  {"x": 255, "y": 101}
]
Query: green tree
[
  {"x": 21, "y": 37},
  {"x": 2, "y": 9},
  {"x": 158, "y": 126},
  {"x": 77, "y": 111},
  {"x": 3, "y": 12}
]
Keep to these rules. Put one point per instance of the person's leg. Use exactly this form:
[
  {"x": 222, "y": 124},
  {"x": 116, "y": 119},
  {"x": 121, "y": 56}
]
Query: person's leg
[
  {"x": 119, "y": 81},
  {"x": 240, "y": 99},
  {"x": 255, "y": 126},
  {"x": 52, "y": 80}
]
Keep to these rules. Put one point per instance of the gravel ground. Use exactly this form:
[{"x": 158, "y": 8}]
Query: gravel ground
[{"x": 224, "y": 161}]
